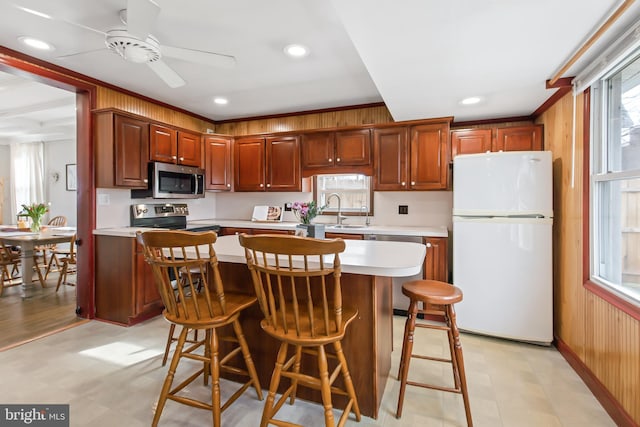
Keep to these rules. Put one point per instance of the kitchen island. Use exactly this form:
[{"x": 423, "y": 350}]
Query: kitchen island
[{"x": 367, "y": 271}]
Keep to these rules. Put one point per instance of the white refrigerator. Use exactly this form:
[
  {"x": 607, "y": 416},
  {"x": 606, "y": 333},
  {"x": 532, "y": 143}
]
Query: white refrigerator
[{"x": 502, "y": 243}]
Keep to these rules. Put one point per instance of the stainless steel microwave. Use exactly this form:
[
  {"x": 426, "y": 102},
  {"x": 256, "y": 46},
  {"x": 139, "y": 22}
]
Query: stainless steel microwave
[{"x": 169, "y": 181}]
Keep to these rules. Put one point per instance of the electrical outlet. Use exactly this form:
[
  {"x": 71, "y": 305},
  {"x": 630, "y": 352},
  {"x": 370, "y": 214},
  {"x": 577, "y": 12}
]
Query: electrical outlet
[
  {"x": 403, "y": 209},
  {"x": 287, "y": 207}
]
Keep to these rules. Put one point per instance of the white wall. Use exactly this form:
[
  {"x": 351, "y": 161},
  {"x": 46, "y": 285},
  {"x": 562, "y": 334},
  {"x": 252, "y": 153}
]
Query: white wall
[
  {"x": 57, "y": 155},
  {"x": 426, "y": 208},
  {"x": 113, "y": 207},
  {"x": 5, "y": 197}
]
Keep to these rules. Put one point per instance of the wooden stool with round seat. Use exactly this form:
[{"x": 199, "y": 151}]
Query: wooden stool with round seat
[{"x": 438, "y": 299}]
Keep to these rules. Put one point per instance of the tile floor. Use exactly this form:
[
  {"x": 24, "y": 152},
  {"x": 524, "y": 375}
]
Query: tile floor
[{"x": 111, "y": 376}]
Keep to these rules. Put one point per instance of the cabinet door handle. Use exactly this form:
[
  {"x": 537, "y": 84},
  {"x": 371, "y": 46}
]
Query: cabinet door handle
[
  {"x": 145, "y": 180},
  {"x": 338, "y": 159},
  {"x": 261, "y": 185},
  {"x": 174, "y": 157},
  {"x": 403, "y": 183},
  {"x": 413, "y": 183},
  {"x": 330, "y": 160},
  {"x": 268, "y": 185},
  {"x": 228, "y": 185},
  {"x": 182, "y": 159},
  {"x": 428, "y": 245}
]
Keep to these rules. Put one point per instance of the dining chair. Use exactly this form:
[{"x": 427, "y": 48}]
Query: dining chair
[
  {"x": 40, "y": 251},
  {"x": 68, "y": 260},
  {"x": 297, "y": 283},
  {"x": 211, "y": 308},
  {"x": 9, "y": 263}
]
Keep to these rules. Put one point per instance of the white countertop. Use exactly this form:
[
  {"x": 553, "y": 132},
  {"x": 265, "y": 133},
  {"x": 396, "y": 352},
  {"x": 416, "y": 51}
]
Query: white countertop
[
  {"x": 397, "y": 230},
  {"x": 371, "y": 258}
]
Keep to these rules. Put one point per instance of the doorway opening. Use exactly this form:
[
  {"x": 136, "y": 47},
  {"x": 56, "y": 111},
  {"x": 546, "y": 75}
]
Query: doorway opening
[{"x": 34, "y": 70}]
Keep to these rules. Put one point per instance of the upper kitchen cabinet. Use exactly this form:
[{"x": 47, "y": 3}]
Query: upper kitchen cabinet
[
  {"x": 411, "y": 157},
  {"x": 218, "y": 162},
  {"x": 122, "y": 150},
  {"x": 514, "y": 138},
  {"x": 470, "y": 141},
  {"x": 267, "y": 164},
  {"x": 520, "y": 138},
  {"x": 172, "y": 146},
  {"x": 336, "y": 151}
]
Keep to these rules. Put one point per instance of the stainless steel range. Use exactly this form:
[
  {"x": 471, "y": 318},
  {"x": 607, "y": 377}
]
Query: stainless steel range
[{"x": 165, "y": 215}]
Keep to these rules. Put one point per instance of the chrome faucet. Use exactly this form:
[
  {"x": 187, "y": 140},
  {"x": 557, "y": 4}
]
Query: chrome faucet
[
  {"x": 366, "y": 215},
  {"x": 340, "y": 217}
]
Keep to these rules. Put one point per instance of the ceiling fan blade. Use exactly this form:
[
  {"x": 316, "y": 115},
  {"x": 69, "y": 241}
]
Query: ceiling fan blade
[
  {"x": 56, "y": 18},
  {"x": 141, "y": 17},
  {"x": 170, "y": 77},
  {"x": 217, "y": 60},
  {"x": 70, "y": 55}
]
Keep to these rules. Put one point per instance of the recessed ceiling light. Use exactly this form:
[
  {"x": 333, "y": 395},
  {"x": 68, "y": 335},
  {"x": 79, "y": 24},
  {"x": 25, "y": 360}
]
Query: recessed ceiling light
[
  {"x": 296, "y": 50},
  {"x": 35, "y": 43},
  {"x": 471, "y": 100},
  {"x": 220, "y": 100}
]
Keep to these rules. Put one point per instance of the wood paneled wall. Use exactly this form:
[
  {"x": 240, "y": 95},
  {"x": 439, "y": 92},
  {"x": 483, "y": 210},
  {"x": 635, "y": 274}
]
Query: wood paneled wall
[
  {"x": 491, "y": 125},
  {"x": 604, "y": 338},
  {"x": 320, "y": 120},
  {"x": 108, "y": 98}
]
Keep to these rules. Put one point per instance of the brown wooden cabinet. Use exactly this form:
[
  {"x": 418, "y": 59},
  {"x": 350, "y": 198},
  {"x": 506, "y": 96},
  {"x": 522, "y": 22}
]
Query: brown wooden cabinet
[
  {"x": 436, "y": 261},
  {"x": 343, "y": 236},
  {"x": 470, "y": 141},
  {"x": 330, "y": 151},
  {"x": 411, "y": 158},
  {"x": 226, "y": 231},
  {"x": 218, "y": 162},
  {"x": 122, "y": 150},
  {"x": 169, "y": 145},
  {"x": 519, "y": 138},
  {"x": 513, "y": 138},
  {"x": 189, "y": 149},
  {"x": 267, "y": 164},
  {"x": 127, "y": 294},
  {"x": 391, "y": 154}
]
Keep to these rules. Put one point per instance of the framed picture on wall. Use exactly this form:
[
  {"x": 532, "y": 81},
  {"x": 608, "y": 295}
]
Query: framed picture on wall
[{"x": 72, "y": 183}]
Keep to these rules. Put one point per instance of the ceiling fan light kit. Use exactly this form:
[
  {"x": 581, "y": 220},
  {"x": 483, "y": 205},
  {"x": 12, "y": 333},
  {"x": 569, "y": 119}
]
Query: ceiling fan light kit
[{"x": 133, "y": 49}]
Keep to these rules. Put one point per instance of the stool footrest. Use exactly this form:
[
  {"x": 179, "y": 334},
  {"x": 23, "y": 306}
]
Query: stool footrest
[
  {"x": 435, "y": 359},
  {"x": 435, "y": 387}
]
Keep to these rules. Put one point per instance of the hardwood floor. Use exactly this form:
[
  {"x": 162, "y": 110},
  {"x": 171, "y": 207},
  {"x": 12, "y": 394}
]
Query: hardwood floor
[{"x": 47, "y": 312}]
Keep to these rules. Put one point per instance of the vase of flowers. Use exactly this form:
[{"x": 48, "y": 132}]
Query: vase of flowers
[
  {"x": 35, "y": 211},
  {"x": 306, "y": 212}
]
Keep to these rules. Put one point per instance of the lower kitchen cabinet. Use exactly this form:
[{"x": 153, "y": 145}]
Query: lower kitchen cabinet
[
  {"x": 226, "y": 231},
  {"x": 344, "y": 236},
  {"x": 126, "y": 291},
  {"x": 436, "y": 261}
]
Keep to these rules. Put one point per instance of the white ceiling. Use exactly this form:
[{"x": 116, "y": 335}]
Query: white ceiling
[{"x": 420, "y": 57}]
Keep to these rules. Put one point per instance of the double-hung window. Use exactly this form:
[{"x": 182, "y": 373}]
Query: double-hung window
[{"x": 615, "y": 181}]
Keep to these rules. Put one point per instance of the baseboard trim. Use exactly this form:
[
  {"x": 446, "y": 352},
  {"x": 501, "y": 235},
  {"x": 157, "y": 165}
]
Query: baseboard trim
[{"x": 604, "y": 396}]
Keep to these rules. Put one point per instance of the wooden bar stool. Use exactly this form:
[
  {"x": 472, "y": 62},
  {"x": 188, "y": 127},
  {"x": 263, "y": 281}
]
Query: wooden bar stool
[
  {"x": 297, "y": 282},
  {"x": 438, "y": 299},
  {"x": 208, "y": 310}
]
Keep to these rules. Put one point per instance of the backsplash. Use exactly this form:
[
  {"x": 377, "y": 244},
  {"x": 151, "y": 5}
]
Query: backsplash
[{"x": 425, "y": 208}]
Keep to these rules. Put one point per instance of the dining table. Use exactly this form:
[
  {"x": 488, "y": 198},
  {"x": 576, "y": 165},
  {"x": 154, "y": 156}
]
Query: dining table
[{"x": 27, "y": 241}]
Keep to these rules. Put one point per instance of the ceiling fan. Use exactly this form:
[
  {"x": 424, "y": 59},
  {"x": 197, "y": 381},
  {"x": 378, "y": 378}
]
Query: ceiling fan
[{"x": 136, "y": 44}]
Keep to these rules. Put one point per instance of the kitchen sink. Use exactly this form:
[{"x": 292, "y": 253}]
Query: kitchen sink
[{"x": 347, "y": 226}]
